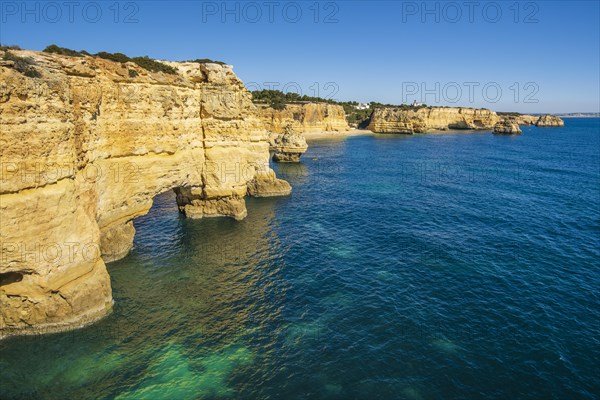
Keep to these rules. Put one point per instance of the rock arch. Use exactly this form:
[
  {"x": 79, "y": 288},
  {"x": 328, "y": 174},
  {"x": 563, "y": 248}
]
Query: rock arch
[{"x": 84, "y": 151}]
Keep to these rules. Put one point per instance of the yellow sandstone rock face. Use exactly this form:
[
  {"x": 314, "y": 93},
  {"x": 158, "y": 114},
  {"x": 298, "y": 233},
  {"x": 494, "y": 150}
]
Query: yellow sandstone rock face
[
  {"x": 526, "y": 119},
  {"x": 549, "y": 120},
  {"x": 422, "y": 120},
  {"x": 289, "y": 145},
  {"x": 507, "y": 127},
  {"x": 310, "y": 117},
  {"x": 427, "y": 119},
  {"x": 85, "y": 148}
]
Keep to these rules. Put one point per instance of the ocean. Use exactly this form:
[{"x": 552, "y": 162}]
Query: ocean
[{"x": 452, "y": 265}]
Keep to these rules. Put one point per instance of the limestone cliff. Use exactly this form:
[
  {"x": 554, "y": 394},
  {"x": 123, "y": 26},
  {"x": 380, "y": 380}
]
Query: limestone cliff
[
  {"x": 537, "y": 120},
  {"x": 84, "y": 149},
  {"x": 426, "y": 119},
  {"x": 310, "y": 117},
  {"x": 549, "y": 120}
]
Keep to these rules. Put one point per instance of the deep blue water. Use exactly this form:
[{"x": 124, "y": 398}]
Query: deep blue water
[{"x": 454, "y": 265}]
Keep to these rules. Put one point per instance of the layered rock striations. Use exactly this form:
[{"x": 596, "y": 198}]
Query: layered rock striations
[
  {"x": 289, "y": 145},
  {"x": 427, "y": 119},
  {"x": 549, "y": 121},
  {"x": 85, "y": 148},
  {"x": 538, "y": 120},
  {"x": 507, "y": 127},
  {"x": 309, "y": 117},
  {"x": 525, "y": 119}
]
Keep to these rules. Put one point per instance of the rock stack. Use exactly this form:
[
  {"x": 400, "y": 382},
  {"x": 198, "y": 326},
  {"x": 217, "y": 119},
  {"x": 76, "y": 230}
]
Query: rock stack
[
  {"x": 507, "y": 127},
  {"x": 289, "y": 145}
]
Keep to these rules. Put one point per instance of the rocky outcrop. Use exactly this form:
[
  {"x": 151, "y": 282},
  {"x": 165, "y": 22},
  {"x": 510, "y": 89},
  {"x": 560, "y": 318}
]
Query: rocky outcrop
[
  {"x": 525, "y": 119},
  {"x": 549, "y": 121},
  {"x": 85, "y": 148},
  {"x": 289, "y": 145},
  {"x": 507, "y": 127},
  {"x": 266, "y": 185},
  {"x": 540, "y": 121},
  {"x": 426, "y": 119},
  {"x": 310, "y": 117}
]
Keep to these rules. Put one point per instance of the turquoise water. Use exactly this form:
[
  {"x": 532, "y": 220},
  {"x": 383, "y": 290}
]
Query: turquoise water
[{"x": 455, "y": 265}]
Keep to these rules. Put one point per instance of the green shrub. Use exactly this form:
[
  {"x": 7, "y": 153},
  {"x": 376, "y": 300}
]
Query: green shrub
[
  {"x": 117, "y": 57},
  {"x": 145, "y": 62},
  {"x": 278, "y": 105},
  {"x": 32, "y": 73},
  {"x": 206, "y": 61},
  {"x": 22, "y": 64},
  {"x": 153, "y": 65},
  {"x": 64, "y": 51},
  {"x": 273, "y": 97},
  {"x": 277, "y": 100},
  {"x": 133, "y": 73},
  {"x": 4, "y": 47}
]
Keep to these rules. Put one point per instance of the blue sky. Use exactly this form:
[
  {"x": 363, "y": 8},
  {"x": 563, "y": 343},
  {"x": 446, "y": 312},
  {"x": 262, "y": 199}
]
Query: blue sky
[{"x": 528, "y": 56}]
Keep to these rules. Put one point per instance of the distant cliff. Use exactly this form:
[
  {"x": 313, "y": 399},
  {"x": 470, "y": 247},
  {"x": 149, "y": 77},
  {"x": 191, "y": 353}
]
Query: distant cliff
[
  {"x": 398, "y": 120},
  {"x": 429, "y": 119},
  {"x": 539, "y": 120},
  {"x": 310, "y": 117},
  {"x": 549, "y": 121},
  {"x": 525, "y": 119}
]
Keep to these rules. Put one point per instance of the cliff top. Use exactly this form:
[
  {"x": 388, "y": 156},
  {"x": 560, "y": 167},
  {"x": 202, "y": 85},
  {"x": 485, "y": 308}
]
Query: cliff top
[{"x": 39, "y": 64}]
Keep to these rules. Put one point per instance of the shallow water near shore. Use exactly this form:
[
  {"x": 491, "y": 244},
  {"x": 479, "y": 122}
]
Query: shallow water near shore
[{"x": 402, "y": 267}]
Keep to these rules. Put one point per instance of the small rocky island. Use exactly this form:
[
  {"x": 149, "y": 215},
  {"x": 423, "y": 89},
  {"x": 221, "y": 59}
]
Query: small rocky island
[
  {"x": 549, "y": 121},
  {"x": 289, "y": 145},
  {"x": 507, "y": 127}
]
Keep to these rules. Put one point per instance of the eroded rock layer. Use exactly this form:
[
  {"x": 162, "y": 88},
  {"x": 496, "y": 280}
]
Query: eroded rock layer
[
  {"x": 549, "y": 120},
  {"x": 507, "y": 127},
  {"x": 525, "y": 119},
  {"x": 289, "y": 145},
  {"x": 85, "y": 148},
  {"x": 539, "y": 120},
  {"x": 426, "y": 119},
  {"x": 310, "y": 117}
]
